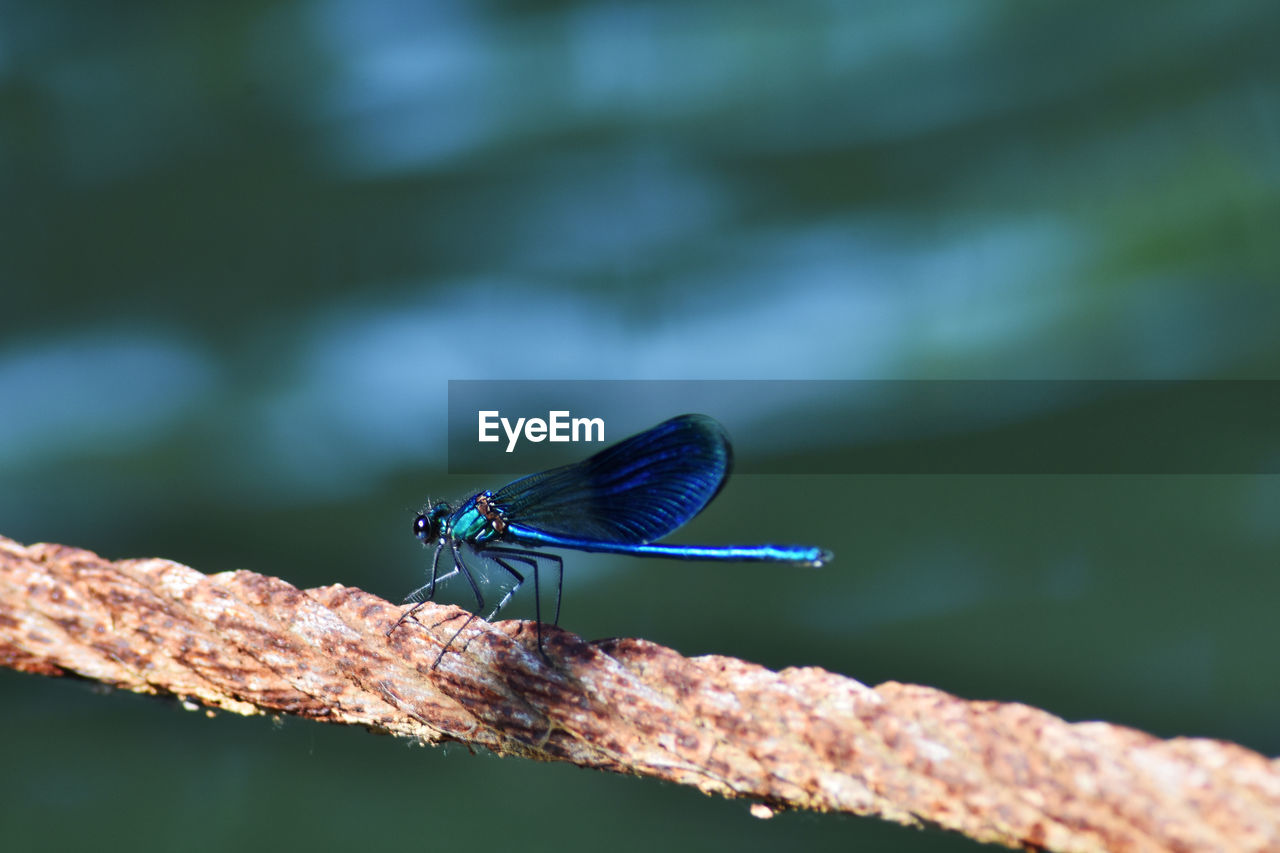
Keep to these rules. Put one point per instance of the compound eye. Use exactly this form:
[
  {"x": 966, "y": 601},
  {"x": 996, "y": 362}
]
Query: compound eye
[{"x": 422, "y": 527}]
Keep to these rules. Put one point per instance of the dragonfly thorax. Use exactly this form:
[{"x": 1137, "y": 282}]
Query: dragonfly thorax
[{"x": 477, "y": 520}]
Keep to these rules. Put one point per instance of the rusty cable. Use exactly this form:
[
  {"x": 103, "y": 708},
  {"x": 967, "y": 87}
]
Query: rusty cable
[{"x": 801, "y": 738}]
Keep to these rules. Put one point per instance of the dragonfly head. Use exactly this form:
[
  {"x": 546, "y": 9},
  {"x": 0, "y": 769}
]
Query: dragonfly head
[{"x": 430, "y": 525}]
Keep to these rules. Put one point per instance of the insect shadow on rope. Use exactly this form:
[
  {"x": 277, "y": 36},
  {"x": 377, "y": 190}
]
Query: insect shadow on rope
[{"x": 617, "y": 501}]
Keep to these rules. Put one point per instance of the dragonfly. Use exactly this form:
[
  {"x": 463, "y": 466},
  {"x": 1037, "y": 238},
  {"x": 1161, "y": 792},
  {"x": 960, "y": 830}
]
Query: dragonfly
[{"x": 618, "y": 501}]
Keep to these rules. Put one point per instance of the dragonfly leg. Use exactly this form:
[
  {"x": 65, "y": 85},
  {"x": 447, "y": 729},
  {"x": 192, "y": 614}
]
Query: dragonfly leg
[
  {"x": 531, "y": 559},
  {"x": 559, "y": 585},
  {"x": 417, "y": 596},
  {"x": 519, "y": 580},
  {"x": 537, "y": 598},
  {"x": 427, "y": 592},
  {"x": 461, "y": 566},
  {"x": 435, "y": 564}
]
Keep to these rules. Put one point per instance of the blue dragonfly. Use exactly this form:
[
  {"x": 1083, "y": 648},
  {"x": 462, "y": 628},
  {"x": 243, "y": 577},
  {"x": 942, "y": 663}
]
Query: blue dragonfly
[{"x": 618, "y": 501}]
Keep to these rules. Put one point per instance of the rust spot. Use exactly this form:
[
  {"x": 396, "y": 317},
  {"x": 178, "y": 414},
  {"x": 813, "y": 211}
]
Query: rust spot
[
  {"x": 13, "y": 657},
  {"x": 72, "y": 626}
]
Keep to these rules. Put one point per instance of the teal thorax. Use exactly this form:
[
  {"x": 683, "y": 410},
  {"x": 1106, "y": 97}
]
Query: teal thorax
[{"x": 475, "y": 521}]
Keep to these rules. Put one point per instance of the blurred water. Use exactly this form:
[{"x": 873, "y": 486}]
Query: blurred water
[{"x": 244, "y": 248}]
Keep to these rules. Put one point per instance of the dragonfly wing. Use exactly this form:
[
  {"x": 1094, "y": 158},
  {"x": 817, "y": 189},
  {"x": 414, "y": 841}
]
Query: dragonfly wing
[{"x": 636, "y": 491}]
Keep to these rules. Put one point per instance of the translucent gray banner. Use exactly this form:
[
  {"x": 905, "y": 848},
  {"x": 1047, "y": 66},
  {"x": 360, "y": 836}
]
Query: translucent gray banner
[{"x": 885, "y": 427}]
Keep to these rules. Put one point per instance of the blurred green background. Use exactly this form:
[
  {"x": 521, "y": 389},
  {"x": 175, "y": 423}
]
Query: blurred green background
[{"x": 244, "y": 246}]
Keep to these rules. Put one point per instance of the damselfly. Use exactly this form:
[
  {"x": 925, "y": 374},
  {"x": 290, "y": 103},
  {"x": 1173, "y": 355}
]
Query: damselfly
[{"x": 616, "y": 502}]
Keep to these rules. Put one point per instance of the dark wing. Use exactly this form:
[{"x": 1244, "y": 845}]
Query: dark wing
[{"x": 636, "y": 491}]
